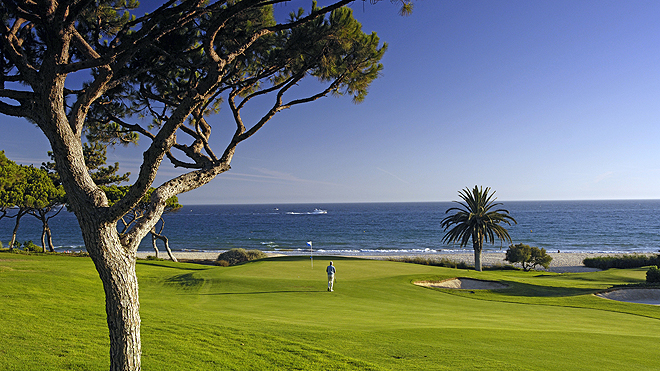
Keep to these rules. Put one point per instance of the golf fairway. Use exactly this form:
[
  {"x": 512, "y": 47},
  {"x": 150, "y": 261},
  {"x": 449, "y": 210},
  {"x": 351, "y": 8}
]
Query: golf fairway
[{"x": 276, "y": 314}]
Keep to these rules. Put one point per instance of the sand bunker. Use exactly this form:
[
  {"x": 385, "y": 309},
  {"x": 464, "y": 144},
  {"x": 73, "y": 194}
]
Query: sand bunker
[
  {"x": 640, "y": 296},
  {"x": 463, "y": 284}
]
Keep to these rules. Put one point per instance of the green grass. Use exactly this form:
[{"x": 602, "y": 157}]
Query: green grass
[{"x": 276, "y": 314}]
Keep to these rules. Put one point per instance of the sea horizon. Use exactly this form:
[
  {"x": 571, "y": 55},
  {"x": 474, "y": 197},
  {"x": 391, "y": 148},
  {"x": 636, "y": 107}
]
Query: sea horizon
[{"x": 601, "y": 226}]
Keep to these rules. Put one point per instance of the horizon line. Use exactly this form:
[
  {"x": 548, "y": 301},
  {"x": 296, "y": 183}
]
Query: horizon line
[{"x": 408, "y": 202}]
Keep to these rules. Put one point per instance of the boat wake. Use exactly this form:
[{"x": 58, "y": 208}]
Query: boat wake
[{"x": 315, "y": 212}]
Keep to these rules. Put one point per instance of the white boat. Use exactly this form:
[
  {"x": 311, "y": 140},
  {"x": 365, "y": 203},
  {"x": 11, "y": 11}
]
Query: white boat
[{"x": 319, "y": 211}]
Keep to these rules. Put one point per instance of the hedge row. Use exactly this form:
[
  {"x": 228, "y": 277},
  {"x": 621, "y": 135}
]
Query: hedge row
[{"x": 623, "y": 261}]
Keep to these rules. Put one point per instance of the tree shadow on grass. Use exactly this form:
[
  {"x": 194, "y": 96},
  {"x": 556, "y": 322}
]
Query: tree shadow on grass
[
  {"x": 168, "y": 264},
  {"x": 188, "y": 282},
  {"x": 185, "y": 281},
  {"x": 263, "y": 292}
]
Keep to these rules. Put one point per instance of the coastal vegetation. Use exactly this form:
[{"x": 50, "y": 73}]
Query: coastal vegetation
[
  {"x": 275, "y": 314},
  {"x": 239, "y": 256},
  {"x": 476, "y": 220},
  {"x": 622, "y": 261},
  {"x": 528, "y": 256},
  {"x": 26, "y": 190},
  {"x": 653, "y": 275}
]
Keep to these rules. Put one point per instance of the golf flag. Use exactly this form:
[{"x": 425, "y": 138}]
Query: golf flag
[{"x": 311, "y": 253}]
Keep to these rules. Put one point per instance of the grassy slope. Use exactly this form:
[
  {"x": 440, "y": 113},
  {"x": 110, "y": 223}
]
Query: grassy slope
[{"x": 276, "y": 314}]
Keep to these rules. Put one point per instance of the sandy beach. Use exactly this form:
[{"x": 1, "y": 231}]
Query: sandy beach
[{"x": 561, "y": 262}]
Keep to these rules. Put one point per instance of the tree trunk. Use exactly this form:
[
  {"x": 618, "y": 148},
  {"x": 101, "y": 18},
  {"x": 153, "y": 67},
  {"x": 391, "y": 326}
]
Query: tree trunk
[
  {"x": 166, "y": 242},
  {"x": 477, "y": 256},
  {"x": 19, "y": 215},
  {"x": 153, "y": 244},
  {"x": 43, "y": 238},
  {"x": 49, "y": 239},
  {"x": 116, "y": 267},
  {"x": 114, "y": 261}
]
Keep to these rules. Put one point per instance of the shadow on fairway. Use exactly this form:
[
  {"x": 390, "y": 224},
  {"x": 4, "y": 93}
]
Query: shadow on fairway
[
  {"x": 262, "y": 292},
  {"x": 172, "y": 265},
  {"x": 529, "y": 290},
  {"x": 185, "y": 281}
]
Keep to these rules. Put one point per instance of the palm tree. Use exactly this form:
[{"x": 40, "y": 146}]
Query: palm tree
[{"x": 475, "y": 219}]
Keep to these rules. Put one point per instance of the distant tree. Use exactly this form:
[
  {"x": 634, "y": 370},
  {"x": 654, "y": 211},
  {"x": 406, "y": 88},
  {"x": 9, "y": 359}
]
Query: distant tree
[
  {"x": 475, "y": 219},
  {"x": 33, "y": 192},
  {"x": 528, "y": 256},
  {"x": 9, "y": 173},
  {"x": 653, "y": 275},
  {"x": 45, "y": 214},
  {"x": 12, "y": 200}
]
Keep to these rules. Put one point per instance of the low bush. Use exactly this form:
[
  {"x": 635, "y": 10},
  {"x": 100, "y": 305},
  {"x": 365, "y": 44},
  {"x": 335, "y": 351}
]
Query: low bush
[
  {"x": 653, "y": 275},
  {"x": 623, "y": 261},
  {"x": 238, "y": 256},
  {"x": 528, "y": 256},
  {"x": 29, "y": 246}
]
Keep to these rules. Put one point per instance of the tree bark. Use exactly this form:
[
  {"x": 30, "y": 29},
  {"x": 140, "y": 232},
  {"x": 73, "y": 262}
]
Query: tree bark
[
  {"x": 153, "y": 244},
  {"x": 43, "y": 238},
  {"x": 49, "y": 239},
  {"x": 477, "y": 256},
  {"x": 116, "y": 267}
]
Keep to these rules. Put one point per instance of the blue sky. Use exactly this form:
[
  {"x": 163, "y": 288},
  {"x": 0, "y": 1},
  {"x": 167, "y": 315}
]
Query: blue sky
[{"x": 539, "y": 100}]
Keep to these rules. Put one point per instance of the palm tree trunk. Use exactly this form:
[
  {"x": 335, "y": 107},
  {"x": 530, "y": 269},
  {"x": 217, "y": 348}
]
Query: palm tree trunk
[{"x": 477, "y": 255}]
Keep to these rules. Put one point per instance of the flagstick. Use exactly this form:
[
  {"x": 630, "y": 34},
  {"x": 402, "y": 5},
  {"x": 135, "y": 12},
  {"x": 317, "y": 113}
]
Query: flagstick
[{"x": 311, "y": 253}]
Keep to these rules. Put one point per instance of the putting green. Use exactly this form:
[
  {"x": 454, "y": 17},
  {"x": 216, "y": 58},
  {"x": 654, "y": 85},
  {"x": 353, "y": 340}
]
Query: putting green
[{"x": 276, "y": 314}]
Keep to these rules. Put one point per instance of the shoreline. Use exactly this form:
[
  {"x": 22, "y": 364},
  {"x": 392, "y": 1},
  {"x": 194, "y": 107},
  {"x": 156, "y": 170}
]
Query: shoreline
[{"x": 562, "y": 262}]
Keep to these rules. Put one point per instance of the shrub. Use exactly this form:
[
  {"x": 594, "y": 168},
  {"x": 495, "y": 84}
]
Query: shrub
[
  {"x": 653, "y": 275},
  {"x": 222, "y": 263},
  {"x": 623, "y": 261},
  {"x": 29, "y": 246},
  {"x": 528, "y": 256},
  {"x": 238, "y": 256}
]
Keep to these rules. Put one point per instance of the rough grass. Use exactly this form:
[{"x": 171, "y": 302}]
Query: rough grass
[{"x": 275, "y": 314}]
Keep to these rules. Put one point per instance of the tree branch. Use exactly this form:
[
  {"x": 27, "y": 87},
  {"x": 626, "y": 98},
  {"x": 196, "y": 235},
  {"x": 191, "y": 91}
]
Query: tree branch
[{"x": 181, "y": 184}]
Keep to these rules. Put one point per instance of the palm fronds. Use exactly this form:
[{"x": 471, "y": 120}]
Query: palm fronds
[{"x": 476, "y": 219}]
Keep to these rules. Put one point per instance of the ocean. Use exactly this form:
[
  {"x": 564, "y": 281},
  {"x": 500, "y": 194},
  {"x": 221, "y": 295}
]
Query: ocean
[{"x": 567, "y": 226}]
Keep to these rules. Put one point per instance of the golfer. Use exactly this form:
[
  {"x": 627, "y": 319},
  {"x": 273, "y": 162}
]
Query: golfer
[{"x": 331, "y": 276}]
